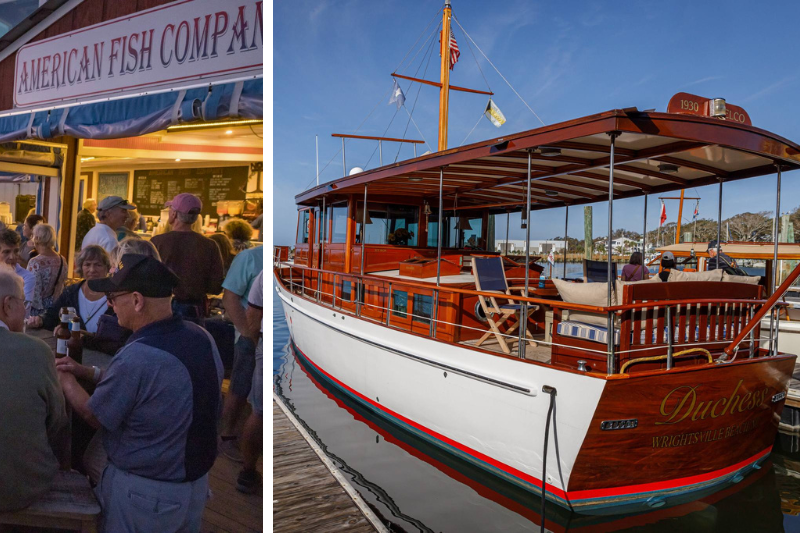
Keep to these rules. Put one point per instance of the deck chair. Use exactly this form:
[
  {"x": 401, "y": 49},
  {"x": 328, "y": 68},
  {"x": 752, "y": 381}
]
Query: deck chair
[
  {"x": 491, "y": 277},
  {"x": 597, "y": 271}
]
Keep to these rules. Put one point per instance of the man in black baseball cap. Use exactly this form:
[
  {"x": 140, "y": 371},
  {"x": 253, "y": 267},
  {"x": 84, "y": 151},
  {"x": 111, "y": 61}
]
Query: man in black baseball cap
[{"x": 157, "y": 401}]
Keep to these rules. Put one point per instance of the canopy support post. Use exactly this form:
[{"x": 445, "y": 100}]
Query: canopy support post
[
  {"x": 363, "y": 252},
  {"x": 380, "y": 153},
  {"x": 610, "y": 362},
  {"x": 644, "y": 233},
  {"x": 566, "y": 239},
  {"x": 773, "y": 324},
  {"x": 508, "y": 221},
  {"x": 439, "y": 228},
  {"x": 719, "y": 220},
  {"x": 523, "y": 311},
  {"x": 323, "y": 232},
  {"x": 344, "y": 162}
]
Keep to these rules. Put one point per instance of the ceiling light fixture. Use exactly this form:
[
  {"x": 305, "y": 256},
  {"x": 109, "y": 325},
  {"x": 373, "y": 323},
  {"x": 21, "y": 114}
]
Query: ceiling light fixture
[
  {"x": 228, "y": 132},
  {"x": 551, "y": 193},
  {"x": 414, "y": 179},
  {"x": 549, "y": 152},
  {"x": 84, "y": 159},
  {"x": 668, "y": 168},
  {"x": 177, "y": 160}
]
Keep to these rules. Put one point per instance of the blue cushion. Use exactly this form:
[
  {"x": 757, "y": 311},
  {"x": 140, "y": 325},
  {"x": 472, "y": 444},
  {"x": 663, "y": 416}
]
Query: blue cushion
[{"x": 588, "y": 332}]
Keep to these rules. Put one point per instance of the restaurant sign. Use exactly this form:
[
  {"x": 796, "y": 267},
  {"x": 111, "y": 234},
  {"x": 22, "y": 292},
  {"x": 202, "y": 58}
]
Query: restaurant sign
[{"x": 178, "y": 44}]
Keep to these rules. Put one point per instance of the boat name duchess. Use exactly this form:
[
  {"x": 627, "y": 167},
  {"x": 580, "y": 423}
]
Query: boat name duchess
[{"x": 685, "y": 399}]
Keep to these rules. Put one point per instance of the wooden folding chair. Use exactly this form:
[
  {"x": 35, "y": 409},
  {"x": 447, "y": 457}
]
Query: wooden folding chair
[{"x": 491, "y": 277}]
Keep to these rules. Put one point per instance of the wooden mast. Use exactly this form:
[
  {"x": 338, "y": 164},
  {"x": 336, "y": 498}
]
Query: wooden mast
[
  {"x": 444, "y": 91},
  {"x": 678, "y": 228}
]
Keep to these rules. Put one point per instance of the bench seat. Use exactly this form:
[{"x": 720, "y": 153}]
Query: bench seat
[
  {"x": 594, "y": 333},
  {"x": 70, "y": 504}
]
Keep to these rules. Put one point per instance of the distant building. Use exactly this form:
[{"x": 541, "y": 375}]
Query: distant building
[
  {"x": 537, "y": 247},
  {"x": 624, "y": 245}
]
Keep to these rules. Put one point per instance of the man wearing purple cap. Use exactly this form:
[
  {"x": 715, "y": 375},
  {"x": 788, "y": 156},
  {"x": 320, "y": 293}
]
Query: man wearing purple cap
[{"x": 194, "y": 258}]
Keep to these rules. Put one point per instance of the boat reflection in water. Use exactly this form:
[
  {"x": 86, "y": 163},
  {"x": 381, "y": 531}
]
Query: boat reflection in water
[{"x": 415, "y": 486}]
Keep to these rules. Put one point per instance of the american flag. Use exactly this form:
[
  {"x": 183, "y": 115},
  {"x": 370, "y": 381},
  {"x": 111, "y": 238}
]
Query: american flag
[{"x": 454, "y": 52}]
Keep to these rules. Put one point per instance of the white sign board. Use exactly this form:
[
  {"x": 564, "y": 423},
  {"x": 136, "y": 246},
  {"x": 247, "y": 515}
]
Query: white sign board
[{"x": 167, "y": 46}]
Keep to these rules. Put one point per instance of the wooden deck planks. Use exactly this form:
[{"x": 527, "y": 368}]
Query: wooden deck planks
[
  {"x": 306, "y": 497},
  {"x": 228, "y": 510}
]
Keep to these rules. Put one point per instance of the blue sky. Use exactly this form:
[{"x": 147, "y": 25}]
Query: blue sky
[{"x": 332, "y": 62}]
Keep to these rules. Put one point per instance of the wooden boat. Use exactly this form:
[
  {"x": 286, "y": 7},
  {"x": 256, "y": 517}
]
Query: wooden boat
[{"x": 676, "y": 399}]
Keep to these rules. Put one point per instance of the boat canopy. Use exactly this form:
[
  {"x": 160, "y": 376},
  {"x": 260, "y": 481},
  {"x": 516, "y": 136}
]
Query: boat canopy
[
  {"x": 738, "y": 250},
  {"x": 653, "y": 153}
]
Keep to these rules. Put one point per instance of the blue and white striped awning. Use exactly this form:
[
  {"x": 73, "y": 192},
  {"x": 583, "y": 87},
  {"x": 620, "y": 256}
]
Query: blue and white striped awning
[{"x": 137, "y": 115}]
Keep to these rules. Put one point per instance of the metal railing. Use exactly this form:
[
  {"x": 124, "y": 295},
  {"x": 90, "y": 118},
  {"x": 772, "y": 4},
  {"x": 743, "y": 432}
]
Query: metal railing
[{"x": 383, "y": 313}]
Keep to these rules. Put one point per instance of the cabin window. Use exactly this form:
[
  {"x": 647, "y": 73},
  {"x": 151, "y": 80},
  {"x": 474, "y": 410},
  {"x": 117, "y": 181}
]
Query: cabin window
[
  {"x": 339, "y": 218},
  {"x": 347, "y": 290},
  {"x": 319, "y": 223},
  {"x": 423, "y": 307},
  {"x": 399, "y": 303},
  {"x": 302, "y": 227},
  {"x": 458, "y": 231},
  {"x": 469, "y": 232},
  {"x": 389, "y": 224}
]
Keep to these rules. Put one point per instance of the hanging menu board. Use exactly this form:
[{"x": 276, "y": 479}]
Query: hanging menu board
[{"x": 152, "y": 188}]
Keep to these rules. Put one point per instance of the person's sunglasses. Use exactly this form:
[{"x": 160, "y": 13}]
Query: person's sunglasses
[{"x": 110, "y": 297}]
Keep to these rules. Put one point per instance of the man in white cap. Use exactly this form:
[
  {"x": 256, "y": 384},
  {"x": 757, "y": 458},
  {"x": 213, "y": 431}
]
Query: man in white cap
[
  {"x": 194, "y": 258},
  {"x": 112, "y": 212}
]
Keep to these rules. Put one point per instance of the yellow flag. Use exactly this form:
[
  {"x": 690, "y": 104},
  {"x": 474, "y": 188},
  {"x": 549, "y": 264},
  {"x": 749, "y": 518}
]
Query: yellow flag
[{"x": 494, "y": 114}]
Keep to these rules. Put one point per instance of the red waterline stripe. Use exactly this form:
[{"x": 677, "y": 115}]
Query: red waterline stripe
[
  {"x": 665, "y": 485},
  {"x": 478, "y": 455},
  {"x": 573, "y": 495}
]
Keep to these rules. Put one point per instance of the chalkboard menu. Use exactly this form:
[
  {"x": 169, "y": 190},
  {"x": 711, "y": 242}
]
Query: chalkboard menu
[{"x": 152, "y": 188}]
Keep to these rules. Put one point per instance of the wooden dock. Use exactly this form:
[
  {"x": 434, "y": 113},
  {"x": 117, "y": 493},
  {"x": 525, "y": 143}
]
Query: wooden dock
[
  {"x": 793, "y": 395},
  {"x": 307, "y": 495},
  {"x": 228, "y": 510}
]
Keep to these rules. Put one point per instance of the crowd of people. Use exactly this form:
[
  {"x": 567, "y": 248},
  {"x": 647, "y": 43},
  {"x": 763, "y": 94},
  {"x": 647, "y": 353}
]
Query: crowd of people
[{"x": 144, "y": 429}]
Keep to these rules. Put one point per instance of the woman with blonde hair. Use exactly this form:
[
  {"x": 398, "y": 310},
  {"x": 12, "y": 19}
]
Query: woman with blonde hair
[
  {"x": 48, "y": 267},
  {"x": 133, "y": 245}
]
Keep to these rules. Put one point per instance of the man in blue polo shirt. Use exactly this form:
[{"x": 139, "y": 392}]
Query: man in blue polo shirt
[
  {"x": 236, "y": 288},
  {"x": 156, "y": 405}
]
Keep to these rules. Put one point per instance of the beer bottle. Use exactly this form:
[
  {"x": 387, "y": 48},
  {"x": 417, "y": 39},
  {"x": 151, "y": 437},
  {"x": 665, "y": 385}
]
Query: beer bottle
[
  {"x": 75, "y": 342},
  {"x": 62, "y": 333}
]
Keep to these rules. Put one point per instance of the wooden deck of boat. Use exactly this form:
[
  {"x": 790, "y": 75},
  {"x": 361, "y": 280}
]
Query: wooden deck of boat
[
  {"x": 306, "y": 496},
  {"x": 540, "y": 352}
]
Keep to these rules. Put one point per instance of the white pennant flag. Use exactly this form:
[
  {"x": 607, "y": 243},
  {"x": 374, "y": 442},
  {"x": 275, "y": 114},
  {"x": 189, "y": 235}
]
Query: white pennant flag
[
  {"x": 494, "y": 114},
  {"x": 397, "y": 97}
]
